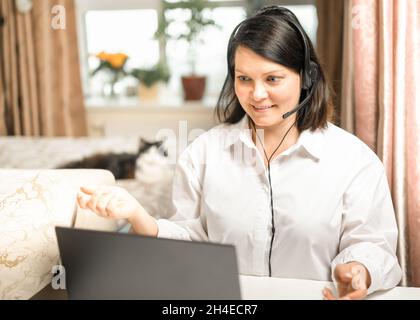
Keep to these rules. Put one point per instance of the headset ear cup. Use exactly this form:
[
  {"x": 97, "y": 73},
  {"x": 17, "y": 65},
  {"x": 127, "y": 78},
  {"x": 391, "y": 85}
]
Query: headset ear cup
[
  {"x": 307, "y": 81},
  {"x": 313, "y": 72},
  {"x": 310, "y": 76}
]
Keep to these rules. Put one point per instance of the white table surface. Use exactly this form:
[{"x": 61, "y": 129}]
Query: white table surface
[{"x": 265, "y": 288}]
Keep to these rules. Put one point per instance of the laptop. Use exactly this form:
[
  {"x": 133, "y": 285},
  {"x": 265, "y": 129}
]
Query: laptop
[{"x": 109, "y": 265}]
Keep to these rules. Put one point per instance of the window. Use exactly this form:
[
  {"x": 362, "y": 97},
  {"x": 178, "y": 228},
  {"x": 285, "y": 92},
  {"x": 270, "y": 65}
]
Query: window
[
  {"x": 131, "y": 32},
  {"x": 128, "y": 26}
]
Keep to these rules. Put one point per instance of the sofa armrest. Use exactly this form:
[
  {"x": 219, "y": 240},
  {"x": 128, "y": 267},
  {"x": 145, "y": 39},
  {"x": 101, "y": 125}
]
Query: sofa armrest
[
  {"x": 32, "y": 203},
  {"x": 84, "y": 218}
]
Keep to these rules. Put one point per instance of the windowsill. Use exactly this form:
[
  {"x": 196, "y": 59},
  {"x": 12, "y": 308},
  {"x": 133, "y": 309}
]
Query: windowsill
[{"x": 175, "y": 104}]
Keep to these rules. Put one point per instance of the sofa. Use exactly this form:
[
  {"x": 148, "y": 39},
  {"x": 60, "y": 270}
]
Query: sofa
[
  {"x": 153, "y": 176},
  {"x": 32, "y": 203}
]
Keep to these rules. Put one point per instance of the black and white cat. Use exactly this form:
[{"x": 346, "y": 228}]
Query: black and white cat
[
  {"x": 146, "y": 174},
  {"x": 122, "y": 165}
]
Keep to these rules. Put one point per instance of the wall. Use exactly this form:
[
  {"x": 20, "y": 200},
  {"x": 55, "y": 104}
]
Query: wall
[{"x": 148, "y": 122}]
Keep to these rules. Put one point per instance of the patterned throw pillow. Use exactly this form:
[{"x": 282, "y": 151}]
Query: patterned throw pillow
[{"x": 28, "y": 247}]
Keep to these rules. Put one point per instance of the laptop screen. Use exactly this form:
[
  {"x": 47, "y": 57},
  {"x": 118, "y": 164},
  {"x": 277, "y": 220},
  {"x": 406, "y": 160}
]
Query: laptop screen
[{"x": 108, "y": 265}]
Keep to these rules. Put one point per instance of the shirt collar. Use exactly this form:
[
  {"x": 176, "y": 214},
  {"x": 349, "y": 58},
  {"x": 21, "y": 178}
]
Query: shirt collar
[
  {"x": 311, "y": 141},
  {"x": 240, "y": 131}
]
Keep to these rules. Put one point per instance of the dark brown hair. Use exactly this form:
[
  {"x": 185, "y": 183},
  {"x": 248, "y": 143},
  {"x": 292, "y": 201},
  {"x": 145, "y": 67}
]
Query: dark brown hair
[{"x": 273, "y": 37}]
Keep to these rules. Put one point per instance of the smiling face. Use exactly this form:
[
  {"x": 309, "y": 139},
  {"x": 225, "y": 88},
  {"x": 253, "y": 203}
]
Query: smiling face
[{"x": 266, "y": 90}]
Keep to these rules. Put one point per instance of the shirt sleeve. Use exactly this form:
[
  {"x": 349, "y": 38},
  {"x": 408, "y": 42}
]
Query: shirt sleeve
[
  {"x": 369, "y": 230},
  {"x": 186, "y": 223}
]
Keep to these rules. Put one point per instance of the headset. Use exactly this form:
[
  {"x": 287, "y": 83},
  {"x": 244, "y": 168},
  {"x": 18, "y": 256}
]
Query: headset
[{"x": 309, "y": 75}]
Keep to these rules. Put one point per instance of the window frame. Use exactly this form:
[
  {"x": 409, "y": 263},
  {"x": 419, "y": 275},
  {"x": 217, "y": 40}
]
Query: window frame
[{"x": 83, "y": 6}]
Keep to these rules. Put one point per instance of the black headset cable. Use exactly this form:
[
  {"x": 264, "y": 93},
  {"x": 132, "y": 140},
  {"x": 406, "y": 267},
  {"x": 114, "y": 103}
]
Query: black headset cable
[{"x": 273, "y": 229}]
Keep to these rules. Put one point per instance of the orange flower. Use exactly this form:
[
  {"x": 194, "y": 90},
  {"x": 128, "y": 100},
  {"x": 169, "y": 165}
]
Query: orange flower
[
  {"x": 102, "y": 55},
  {"x": 116, "y": 60}
]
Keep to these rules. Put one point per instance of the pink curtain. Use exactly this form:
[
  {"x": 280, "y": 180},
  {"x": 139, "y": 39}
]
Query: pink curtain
[{"x": 381, "y": 105}]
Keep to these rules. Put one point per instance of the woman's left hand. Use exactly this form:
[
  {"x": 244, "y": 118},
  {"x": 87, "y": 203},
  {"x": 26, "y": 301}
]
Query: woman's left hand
[{"x": 353, "y": 280}]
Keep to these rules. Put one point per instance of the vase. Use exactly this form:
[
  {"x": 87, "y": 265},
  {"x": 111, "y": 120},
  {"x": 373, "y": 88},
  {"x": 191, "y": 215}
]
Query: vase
[
  {"x": 148, "y": 93},
  {"x": 108, "y": 90}
]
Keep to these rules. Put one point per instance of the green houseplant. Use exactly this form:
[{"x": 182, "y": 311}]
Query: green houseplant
[
  {"x": 193, "y": 84},
  {"x": 149, "y": 80}
]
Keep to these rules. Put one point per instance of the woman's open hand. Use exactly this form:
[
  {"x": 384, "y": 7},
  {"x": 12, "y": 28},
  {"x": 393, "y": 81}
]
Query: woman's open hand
[{"x": 353, "y": 280}]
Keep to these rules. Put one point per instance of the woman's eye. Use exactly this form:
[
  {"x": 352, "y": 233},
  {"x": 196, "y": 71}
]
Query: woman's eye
[
  {"x": 273, "y": 79},
  {"x": 243, "y": 78}
]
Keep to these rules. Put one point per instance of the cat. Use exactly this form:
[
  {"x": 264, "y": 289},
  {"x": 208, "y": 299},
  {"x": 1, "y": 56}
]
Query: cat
[
  {"x": 122, "y": 165},
  {"x": 152, "y": 186}
]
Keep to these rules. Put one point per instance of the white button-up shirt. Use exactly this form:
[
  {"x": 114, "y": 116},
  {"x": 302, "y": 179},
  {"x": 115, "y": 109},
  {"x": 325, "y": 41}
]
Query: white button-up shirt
[{"x": 331, "y": 204}]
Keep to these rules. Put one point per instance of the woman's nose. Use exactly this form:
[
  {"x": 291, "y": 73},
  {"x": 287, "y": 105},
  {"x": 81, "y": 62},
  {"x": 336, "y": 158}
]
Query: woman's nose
[{"x": 259, "y": 92}]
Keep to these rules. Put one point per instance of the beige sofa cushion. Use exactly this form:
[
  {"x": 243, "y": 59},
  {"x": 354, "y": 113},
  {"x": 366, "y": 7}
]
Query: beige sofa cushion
[{"x": 32, "y": 202}]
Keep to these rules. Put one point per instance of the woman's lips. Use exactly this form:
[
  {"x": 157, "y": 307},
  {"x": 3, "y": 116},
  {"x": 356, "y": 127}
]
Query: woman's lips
[{"x": 262, "y": 108}]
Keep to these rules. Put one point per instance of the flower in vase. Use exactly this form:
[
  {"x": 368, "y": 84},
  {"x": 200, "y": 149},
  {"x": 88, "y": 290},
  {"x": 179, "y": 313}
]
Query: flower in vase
[{"x": 113, "y": 64}]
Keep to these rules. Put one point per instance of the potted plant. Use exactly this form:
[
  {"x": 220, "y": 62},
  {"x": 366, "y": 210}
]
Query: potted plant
[
  {"x": 193, "y": 84},
  {"x": 114, "y": 65},
  {"x": 149, "y": 80}
]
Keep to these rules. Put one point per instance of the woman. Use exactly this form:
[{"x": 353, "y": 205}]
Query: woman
[{"x": 296, "y": 195}]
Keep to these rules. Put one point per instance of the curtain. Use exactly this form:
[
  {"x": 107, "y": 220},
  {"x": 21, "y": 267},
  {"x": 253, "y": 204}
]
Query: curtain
[
  {"x": 40, "y": 84},
  {"x": 381, "y": 105},
  {"x": 329, "y": 46}
]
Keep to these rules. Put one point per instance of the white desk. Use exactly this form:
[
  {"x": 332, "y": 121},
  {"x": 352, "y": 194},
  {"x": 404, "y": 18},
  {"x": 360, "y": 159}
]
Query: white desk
[{"x": 264, "y": 288}]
